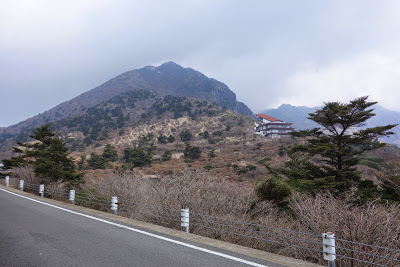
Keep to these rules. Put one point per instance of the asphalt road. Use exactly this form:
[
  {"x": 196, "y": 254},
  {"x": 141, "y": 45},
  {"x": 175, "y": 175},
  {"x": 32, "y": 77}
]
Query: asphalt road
[{"x": 34, "y": 234}]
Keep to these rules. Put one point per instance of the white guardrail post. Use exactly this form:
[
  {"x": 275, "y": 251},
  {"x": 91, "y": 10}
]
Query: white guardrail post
[
  {"x": 21, "y": 185},
  {"x": 185, "y": 219},
  {"x": 41, "y": 190},
  {"x": 114, "y": 204},
  {"x": 72, "y": 196},
  {"x": 329, "y": 248},
  {"x": 7, "y": 181}
]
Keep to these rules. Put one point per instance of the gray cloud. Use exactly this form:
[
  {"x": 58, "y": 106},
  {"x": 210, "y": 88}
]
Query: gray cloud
[{"x": 267, "y": 52}]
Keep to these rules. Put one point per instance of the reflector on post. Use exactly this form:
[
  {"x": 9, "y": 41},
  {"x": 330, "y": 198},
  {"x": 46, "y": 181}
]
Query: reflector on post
[
  {"x": 329, "y": 248},
  {"x": 72, "y": 196},
  {"x": 114, "y": 204},
  {"x": 21, "y": 185},
  {"x": 185, "y": 219}
]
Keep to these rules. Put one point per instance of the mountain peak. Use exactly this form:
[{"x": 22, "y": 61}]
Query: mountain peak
[
  {"x": 170, "y": 64},
  {"x": 166, "y": 79}
]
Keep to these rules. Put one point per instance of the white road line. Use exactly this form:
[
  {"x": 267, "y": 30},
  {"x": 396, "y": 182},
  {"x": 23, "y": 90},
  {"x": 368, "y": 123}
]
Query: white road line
[{"x": 143, "y": 232}]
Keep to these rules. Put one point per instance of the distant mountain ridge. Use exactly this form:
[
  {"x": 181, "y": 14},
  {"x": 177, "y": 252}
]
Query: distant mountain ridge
[
  {"x": 167, "y": 79},
  {"x": 294, "y": 114},
  {"x": 298, "y": 116}
]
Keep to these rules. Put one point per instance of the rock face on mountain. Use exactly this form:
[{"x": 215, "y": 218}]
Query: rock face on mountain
[{"x": 167, "y": 79}]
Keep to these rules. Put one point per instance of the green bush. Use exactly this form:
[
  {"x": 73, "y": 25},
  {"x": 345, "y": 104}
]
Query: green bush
[
  {"x": 97, "y": 161},
  {"x": 185, "y": 135},
  {"x": 211, "y": 155},
  {"x": 192, "y": 152},
  {"x": 246, "y": 169},
  {"x": 208, "y": 167},
  {"x": 367, "y": 190},
  {"x": 171, "y": 138},
  {"x": 213, "y": 140},
  {"x": 205, "y": 134},
  {"x": 136, "y": 157},
  {"x": 110, "y": 153},
  {"x": 262, "y": 161},
  {"x": 162, "y": 139},
  {"x": 273, "y": 189},
  {"x": 166, "y": 155},
  {"x": 217, "y": 133}
]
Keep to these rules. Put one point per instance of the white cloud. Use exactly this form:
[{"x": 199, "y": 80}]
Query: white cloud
[
  {"x": 59, "y": 49},
  {"x": 372, "y": 74}
]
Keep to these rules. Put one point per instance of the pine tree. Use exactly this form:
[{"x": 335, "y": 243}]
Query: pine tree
[
  {"x": 328, "y": 158},
  {"x": 97, "y": 161},
  {"x": 110, "y": 153},
  {"x": 137, "y": 157},
  {"x": 48, "y": 155}
]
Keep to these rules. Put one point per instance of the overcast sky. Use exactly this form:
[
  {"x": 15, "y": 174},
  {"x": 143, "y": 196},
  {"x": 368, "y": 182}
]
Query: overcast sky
[{"x": 268, "y": 52}]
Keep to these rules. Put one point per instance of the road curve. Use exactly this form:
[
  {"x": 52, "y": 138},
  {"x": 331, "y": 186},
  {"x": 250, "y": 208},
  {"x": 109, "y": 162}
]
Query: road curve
[{"x": 41, "y": 234}]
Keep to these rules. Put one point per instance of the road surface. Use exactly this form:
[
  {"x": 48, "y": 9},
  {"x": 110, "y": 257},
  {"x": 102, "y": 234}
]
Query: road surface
[{"x": 37, "y": 234}]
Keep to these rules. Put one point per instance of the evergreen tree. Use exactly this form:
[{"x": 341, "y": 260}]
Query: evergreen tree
[
  {"x": 136, "y": 157},
  {"x": 390, "y": 182},
  {"x": 185, "y": 135},
  {"x": 97, "y": 161},
  {"x": 328, "y": 158},
  {"x": 192, "y": 152},
  {"x": 171, "y": 138},
  {"x": 17, "y": 161},
  {"x": 48, "y": 155},
  {"x": 110, "y": 153},
  {"x": 162, "y": 139}
]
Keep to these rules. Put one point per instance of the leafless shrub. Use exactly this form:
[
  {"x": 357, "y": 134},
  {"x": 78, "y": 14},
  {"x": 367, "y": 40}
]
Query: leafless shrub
[
  {"x": 370, "y": 223},
  {"x": 140, "y": 195},
  {"x": 219, "y": 209},
  {"x": 26, "y": 173},
  {"x": 53, "y": 189},
  {"x": 224, "y": 210}
]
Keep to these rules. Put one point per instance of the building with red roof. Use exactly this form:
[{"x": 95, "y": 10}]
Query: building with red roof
[{"x": 271, "y": 127}]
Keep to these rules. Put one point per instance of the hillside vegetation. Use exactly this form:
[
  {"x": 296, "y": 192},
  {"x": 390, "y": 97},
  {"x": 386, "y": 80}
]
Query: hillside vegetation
[
  {"x": 167, "y": 79},
  {"x": 142, "y": 119}
]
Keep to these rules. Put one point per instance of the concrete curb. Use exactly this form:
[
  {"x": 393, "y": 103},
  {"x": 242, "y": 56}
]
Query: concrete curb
[{"x": 250, "y": 252}]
